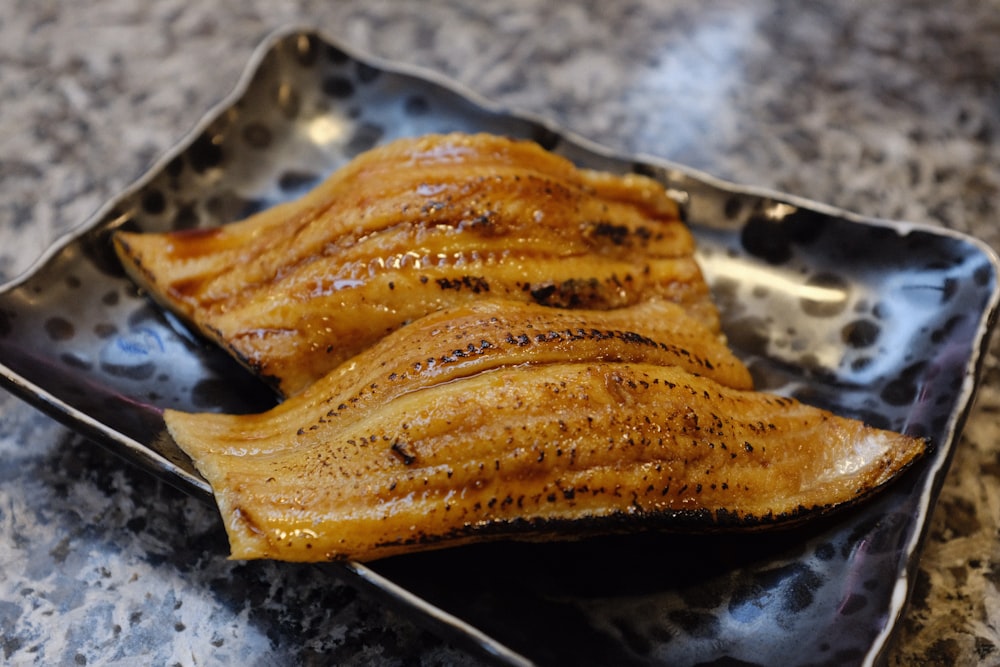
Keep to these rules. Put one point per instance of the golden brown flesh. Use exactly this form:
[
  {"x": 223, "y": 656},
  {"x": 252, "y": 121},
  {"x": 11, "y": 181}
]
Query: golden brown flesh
[
  {"x": 407, "y": 229},
  {"x": 388, "y": 455}
]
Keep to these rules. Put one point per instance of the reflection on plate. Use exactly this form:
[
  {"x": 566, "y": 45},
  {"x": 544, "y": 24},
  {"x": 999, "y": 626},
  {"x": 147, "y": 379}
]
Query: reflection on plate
[{"x": 882, "y": 321}]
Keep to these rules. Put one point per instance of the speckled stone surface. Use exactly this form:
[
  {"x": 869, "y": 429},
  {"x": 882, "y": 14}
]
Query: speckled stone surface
[{"x": 889, "y": 109}]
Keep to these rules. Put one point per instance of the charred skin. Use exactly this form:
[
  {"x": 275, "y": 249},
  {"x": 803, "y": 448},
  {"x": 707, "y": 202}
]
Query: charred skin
[
  {"x": 531, "y": 451},
  {"x": 501, "y": 419},
  {"x": 407, "y": 229}
]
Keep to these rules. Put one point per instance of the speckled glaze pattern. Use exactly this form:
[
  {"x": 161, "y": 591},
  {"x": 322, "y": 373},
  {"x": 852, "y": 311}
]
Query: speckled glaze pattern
[
  {"x": 889, "y": 109},
  {"x": 879, "y": 321}
]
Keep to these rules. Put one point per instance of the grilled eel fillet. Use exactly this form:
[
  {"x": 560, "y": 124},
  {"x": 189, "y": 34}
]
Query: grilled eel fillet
[
  {"x": 409, "y": 228},
  {"x": 495, "y": 420}
]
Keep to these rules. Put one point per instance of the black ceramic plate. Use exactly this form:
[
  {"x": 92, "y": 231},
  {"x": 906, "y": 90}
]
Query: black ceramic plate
[{"x": 877, "y": 320}]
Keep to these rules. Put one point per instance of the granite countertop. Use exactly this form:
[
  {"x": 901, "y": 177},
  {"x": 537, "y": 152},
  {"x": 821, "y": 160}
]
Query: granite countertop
[{"x": 888, "y": 109}]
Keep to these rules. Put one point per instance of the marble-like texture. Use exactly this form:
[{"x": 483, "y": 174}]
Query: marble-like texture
[{"x": 889, "y": 109}]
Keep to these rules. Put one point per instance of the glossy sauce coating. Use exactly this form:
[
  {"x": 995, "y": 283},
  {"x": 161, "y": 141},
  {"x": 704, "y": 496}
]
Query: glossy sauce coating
[{"x": 407, "y": 229}]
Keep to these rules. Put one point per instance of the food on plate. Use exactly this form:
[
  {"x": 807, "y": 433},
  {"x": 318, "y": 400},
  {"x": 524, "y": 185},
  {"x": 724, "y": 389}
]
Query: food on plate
[
  {"x": 473, "y": 340},
  {"x": 433, "y": 439},
  {"x": 409, "y": 228}
]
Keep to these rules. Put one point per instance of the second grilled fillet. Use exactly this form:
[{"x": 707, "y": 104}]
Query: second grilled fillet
[
  {"x": 504, "y": 420},
  {"x": 535, "y": 451},
  {"x": 412, "y": 227}
]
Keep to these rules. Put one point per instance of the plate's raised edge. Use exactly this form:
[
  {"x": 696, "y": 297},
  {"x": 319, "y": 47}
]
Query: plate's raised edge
[
  {"x": 440, "y": 618},
  {"x": 156, "y": 463},
  {"x": 97, "y": 431},
  {"x": 939, "y": 469}
]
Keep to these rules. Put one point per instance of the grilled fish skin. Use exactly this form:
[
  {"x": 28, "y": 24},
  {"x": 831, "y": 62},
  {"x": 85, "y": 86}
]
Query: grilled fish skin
[
  {"x": 409, "y": 228},
  {"x": 500, "y": 419},
  {"x": 453, "y": 343}
]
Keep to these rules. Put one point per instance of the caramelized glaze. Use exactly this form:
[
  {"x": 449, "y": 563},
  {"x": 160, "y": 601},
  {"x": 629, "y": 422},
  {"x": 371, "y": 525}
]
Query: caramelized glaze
[{"x": 412, "y": 227}]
